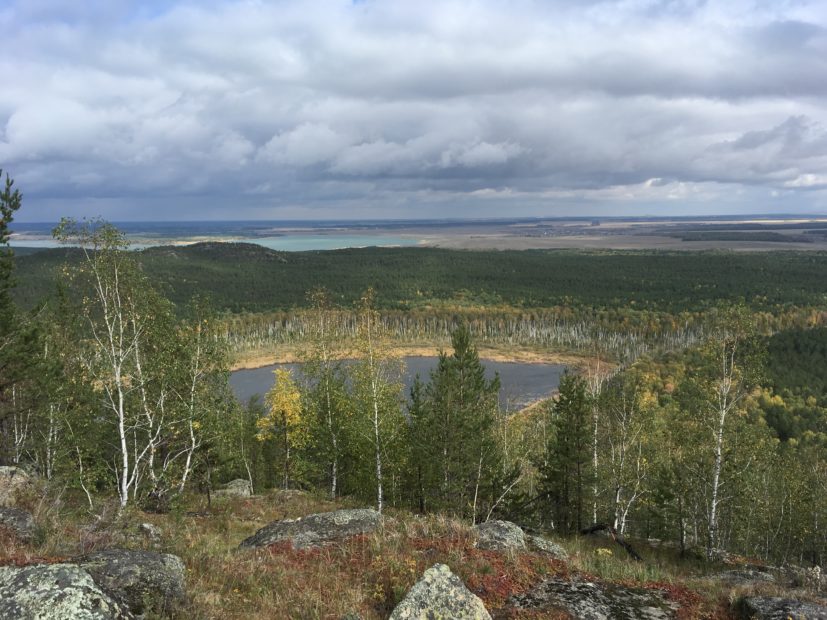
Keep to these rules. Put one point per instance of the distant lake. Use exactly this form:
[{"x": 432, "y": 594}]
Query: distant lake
[
  {"x": 521, "y": 383},
  {"x": 285, "y": 243}
]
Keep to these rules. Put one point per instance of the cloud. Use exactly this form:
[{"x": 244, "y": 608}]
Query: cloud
[{"x": 329, "y": 107}]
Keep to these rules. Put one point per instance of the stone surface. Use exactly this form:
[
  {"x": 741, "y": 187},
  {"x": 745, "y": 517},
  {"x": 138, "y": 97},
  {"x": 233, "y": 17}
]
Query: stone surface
[
  {"x": 438, "y": 595},
  {"x": 234, "y": 488},
  {"x": 13, "y": 481},
  {"x": 151, "y": 532},
  {"x": 774, "y": 608},
  {"x": 54, "y": 592},
  {"x": 140, "y": 580},
  {"x": 595, "y": 601},
  {"x": 500, "y": 536},
  {"x": 543, "y": 545},
  {"x": 19, "y": 522},
  {"x": 744, "y": 576},
  {"x": 316, "y": 529}
]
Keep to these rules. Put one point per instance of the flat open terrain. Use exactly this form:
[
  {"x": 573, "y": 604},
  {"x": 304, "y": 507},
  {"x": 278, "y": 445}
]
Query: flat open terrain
[{"x": 740, "y": 234}]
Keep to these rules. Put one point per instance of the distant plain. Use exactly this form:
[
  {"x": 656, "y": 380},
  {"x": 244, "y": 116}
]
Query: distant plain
[{"x": 743, "y": 233}]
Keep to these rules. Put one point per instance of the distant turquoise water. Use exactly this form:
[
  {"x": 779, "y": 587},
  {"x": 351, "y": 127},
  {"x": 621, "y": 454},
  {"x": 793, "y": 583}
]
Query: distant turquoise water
[
  {"x": 286, "y": 243},
  {"x": 298, "y": 243}
]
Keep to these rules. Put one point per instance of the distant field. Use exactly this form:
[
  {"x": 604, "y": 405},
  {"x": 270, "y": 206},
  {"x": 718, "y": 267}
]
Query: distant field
[
  {"x": 739, "y": 233},
  {"x": 249, "y": 278}
]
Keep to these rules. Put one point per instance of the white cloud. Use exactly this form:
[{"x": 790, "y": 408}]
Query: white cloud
[{"x": 387, "y": 104}]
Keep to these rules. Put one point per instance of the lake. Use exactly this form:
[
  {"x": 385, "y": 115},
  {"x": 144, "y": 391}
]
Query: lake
[{"x": 521, "y": 383}]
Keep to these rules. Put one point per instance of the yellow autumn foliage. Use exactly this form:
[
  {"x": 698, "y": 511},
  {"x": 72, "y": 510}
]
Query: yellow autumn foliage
[{"x": 284, "y": 411}]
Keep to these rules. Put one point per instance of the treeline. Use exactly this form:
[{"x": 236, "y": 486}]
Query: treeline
[
  {"x": 623, "y": 335},
  {"x": 241, "y": 277}
]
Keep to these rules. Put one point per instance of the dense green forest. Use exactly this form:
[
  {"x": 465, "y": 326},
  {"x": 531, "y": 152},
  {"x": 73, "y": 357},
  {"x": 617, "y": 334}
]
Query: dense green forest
[
  {"x": 117, "y": 388},
  {"x": 249, "y": 278}
]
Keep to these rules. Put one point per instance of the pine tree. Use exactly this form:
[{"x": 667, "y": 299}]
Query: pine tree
[
  {"x": 568, "y": 471},
  {"x": 457, "y": 452},
  {"x": 21, "y": 348}
]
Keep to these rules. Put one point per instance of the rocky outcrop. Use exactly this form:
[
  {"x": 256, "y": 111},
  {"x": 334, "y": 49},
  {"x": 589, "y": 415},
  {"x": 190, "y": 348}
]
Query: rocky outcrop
[
  {"x": 506, "y": 536},
  {"x": 543, "y": 545},
  {"x": 13, "y": 482},
  {"x": 744, "y": 576},
  {"x": 440, "y": 594},
  {"x": 316, "y": 529},
  {"x": 234, "y": 488},
  {"x": 500, "y": 536},
  {"x": 19, "y": 522},
  {"x": 774, "y": 608},
  {"x": 595, "y": 601},
  {"x": 141, "y": 581},
  {"x": 150, "y": 532},
  {"x": 55, "y": 592}
]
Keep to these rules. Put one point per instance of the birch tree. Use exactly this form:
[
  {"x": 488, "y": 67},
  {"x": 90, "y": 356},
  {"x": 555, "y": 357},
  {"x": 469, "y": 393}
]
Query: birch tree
[
  {"x": 728, "y": 366},
  {"x": 114, "y": 333},
  {"x": 377, "y": 391},
  {"x": 326, "y": 393},
  {"x": 626, "y": 426}
]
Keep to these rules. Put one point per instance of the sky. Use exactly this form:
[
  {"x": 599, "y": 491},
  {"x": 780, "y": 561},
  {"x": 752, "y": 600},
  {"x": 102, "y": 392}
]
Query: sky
[{"x": 334, "y": 109}]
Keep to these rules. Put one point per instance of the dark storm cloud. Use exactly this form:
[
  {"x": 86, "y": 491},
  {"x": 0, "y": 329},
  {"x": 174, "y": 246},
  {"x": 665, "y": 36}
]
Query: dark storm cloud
[{"x": 333, "y": 108}]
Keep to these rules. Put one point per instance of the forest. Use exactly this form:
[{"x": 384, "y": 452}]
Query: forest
[
  {"x": 242, "y": 277},
  {"x": 698, "y": 417}
]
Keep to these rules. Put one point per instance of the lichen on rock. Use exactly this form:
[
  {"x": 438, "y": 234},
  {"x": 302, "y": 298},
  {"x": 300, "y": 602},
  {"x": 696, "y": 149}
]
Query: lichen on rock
[
  {"x": 234, "y": 488},
  {"x": 19, "y": 522},
  {"x": 55, "y": 592},
  {"x": 440, "y": 595},
  {"x": 777, "y": 608},
  {"x": 586, "y": 600},
  {"x": 14, "y": 481},
  {"x": 140, "y": 580},
  {"x": 316, "y": 529},
  {"x": 547, "y": 547},
  {"x": 497, "y": 535}
]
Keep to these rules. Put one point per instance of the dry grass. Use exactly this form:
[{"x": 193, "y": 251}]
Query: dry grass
[
  {"x": 288, "y": 353},
  {"x": 365, "y": 575}
]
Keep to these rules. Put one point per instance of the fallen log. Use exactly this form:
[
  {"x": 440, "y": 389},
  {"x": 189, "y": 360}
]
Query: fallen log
[{"x": 616, "y": 536}]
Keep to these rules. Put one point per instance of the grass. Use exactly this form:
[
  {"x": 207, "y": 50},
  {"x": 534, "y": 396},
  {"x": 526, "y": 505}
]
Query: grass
[{"x": 365, "y": 575}]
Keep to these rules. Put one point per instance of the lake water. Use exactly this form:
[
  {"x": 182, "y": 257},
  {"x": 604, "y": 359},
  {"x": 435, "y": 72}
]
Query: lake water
[
  {"x": 282, "y": 236},
  {"x": 282, "y": 243},
  {"x": 521, "y": 383}
]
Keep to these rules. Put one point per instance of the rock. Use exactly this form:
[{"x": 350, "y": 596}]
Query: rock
[
  {"x": 140, "y": 580},
  {"x": 744, "y": 576},
  {"x": 152, "y": 532},
  {"x": 316, "y": 529},
  {"x": 13, "y": 482},
  {"x": 234, "y": 488},
  {"x": 543, "y": 545},
  {"x": 19, "y": 522},
  {"x": 54, "y": 592},
  {"x": 500, "y": 536},
  {"x": 595, "y": 601},
  {"x": 774, "y": 608},
  {"x": 440, "y": 594}
]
